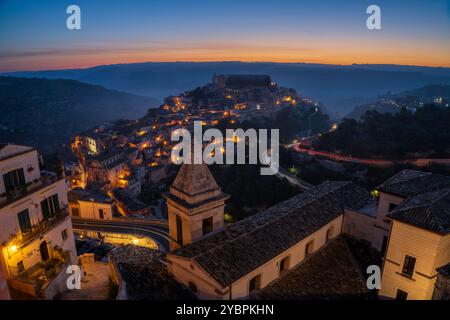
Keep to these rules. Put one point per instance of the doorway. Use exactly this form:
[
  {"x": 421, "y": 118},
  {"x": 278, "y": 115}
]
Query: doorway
[{"x": 43, "y": 248}]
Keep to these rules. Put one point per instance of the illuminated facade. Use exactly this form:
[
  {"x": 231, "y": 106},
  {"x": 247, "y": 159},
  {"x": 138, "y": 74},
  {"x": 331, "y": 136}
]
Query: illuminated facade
[
  {"x": 36, "y": 236},
  {"x": 418, "y": 250}
]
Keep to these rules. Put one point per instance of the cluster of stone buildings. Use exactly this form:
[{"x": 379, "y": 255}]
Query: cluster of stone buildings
[
  {"x": 36, "y": 237},
  {"x": 119, "y": 159},
  {"x": 300, "y": 248}
]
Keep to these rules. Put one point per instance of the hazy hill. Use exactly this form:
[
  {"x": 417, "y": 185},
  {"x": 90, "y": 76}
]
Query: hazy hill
[
  {"x": 340, "y": 87},
  {"x": 45, "y": 113},
  {"x": 392, "y": 103}
]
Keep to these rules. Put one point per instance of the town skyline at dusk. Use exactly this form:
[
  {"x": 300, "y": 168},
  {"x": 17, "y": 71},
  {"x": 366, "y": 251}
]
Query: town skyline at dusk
[
  {"x": 34, "y": 35},
  {"x": 225, "y": 159}
]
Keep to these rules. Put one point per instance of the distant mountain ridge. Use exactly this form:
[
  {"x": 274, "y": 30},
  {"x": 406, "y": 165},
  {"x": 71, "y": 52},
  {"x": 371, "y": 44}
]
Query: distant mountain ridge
[
  {"x": 339, "y": 87},
  {"x": 45, "y": 113}
]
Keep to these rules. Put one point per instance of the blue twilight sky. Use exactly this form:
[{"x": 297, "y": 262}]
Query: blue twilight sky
[{"x": 33, "y": 34}]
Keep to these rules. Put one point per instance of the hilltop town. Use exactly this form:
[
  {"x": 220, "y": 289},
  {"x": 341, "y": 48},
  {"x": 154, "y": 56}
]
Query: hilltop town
[{"x": 160, "y": 231}]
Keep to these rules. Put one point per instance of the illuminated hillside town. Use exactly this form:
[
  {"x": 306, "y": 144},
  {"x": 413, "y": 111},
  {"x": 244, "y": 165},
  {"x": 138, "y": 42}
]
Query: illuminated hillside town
[
  {"x": 144, "y": 228},
  {"x": 197, "y": 159}
]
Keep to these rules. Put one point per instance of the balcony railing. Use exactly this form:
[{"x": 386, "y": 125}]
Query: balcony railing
[
  {"x": 12, "y": 195},
  {"x": 16, "y": 193},
  {"x": 40, "y": 228},
  {"x": 36, "y": 279}
]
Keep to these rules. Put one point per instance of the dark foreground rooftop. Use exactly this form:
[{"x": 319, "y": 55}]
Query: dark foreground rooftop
[
  {"x": 330, "y": 274},
  {"x": 145, "y": 275}
]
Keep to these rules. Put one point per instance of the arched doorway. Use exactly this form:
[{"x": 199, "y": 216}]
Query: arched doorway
[{"x": 43, "y": 248}]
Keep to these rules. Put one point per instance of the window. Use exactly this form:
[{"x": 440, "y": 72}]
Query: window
[
  {"x": 179, "y": 231},
  {"x": 401, "y": 295},
  {"x": 284, "y": 265},
  {"x": 254, "y": 283},
  {"x": 101, "y": 214},
  {"x": 392, "y": 206},
  {"x": 20, "y": 267},
  {"x": 207, "y": 225},
  {"x": 408, "y": 265},
  {"x": 64, "y": 234},
  {"x": 50, "y": 206},
  {"x": 192, "y": 287},
  {"x": 15, "y": 184},
  {"x": 75, "y": 211},
  {"x": 24, "y": 221},
  {"x": 330, "y": 233},
  {"x": 309, "y": 248}
]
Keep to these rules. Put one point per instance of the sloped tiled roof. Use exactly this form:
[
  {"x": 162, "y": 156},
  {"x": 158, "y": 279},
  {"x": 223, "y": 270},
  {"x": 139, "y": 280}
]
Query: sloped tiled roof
[
  {"x": 244, "y": 246},
  {"x": 331, "y": 273},
  {"x": 429, "y": 210},
  {"x": 411, "y": 182}
]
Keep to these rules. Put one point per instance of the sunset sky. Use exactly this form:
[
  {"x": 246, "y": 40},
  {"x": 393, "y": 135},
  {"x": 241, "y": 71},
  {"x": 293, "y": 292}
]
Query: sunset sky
[{"x": 33, "y": 34}]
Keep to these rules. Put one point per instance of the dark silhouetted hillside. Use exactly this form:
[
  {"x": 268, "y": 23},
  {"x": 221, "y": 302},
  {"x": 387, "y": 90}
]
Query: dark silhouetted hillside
[{"x": 45, "y": 113}]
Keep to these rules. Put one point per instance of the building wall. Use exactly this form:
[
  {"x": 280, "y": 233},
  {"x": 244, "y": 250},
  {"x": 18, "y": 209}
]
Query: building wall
[
  {"x": 4, "y": 290},
  {"x": 192, "y": 220},
  {"x": 27, "y": 161},
  {"x": 186, "y": 271},
  {"x": 429, "y": 249},
  {"x": 13, "y": 248},
  {"x": 9, "y": 222},
  {"x": 91, "y": 210},
  {"x": 359, "y": 225},
  {"x": 382, "y": 226},
  {"x": 30, "y": 254}
]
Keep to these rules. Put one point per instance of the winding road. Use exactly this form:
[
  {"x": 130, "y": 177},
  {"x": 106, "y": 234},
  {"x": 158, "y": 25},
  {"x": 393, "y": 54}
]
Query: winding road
[
  {"x": 154, "y": 229},
  {"x": 374, "y": 162}
]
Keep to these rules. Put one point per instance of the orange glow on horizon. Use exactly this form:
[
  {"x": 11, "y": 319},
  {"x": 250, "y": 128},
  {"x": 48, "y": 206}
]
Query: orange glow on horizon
[{"x": 337, "y": 54}]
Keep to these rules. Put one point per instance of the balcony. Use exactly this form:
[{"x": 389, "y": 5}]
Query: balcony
[
  {"x": 42, "y": 279},
  {"x": 10, "y": 196},
  {"x": 39, "y": 229}
]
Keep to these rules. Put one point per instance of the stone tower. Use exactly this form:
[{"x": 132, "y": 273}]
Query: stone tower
[{"x": 195, "y": 205}]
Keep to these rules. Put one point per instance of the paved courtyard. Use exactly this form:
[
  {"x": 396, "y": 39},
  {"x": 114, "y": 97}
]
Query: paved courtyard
[{"x": 95, "y": 284}]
